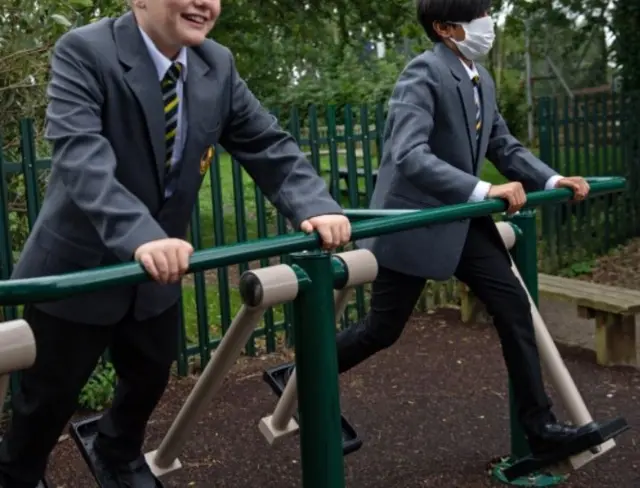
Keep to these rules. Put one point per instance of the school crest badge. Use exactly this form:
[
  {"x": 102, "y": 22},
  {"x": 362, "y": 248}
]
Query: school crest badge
[{"x": 206, "y": 159}]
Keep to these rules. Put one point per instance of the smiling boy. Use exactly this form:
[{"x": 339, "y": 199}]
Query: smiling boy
[
  {"x": 135, "y": 105},
  {"x": 443, "y": 121}
]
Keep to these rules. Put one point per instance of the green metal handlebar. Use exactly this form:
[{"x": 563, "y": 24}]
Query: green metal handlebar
[
  {"x": 379, "y": 222},
  {"x": 599, "y": 185}
]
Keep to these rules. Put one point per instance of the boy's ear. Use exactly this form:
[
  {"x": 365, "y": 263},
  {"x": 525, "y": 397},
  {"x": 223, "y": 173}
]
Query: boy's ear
[{"x": 441, "y": 28}]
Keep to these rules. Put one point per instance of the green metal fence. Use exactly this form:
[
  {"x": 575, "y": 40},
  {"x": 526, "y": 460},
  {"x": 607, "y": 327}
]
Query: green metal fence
[
  {"x": 344, "y": 145},
  {"x": 589, "y": 135}
]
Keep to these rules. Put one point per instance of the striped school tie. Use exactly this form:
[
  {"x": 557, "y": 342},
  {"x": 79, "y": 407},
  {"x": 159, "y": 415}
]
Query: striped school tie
[
  {"x": 171, "y": 103},
  {"x": 476, "y": 89}
]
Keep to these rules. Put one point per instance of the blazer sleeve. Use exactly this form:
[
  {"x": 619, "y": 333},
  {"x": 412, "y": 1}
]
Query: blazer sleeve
[
  {"x": 272, "y": 157},
  {"x": 514, "y": 161},
  {"x": 84, "y": 158},
  {"x": 412, "y": 109}
]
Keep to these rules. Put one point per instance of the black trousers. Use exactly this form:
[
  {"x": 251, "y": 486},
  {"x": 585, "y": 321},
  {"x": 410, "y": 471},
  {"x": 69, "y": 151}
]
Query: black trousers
[
  {"x": 485, "y": 268},
  {"x": 67, "y": 353}
]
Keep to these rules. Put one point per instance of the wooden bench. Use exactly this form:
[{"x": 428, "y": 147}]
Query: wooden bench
[{"x": 613, "y": 308}]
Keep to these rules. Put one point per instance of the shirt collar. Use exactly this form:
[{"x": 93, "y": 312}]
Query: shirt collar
[
  {"x": 161, "y": 62},
  {"x": 472, "y": 72}
]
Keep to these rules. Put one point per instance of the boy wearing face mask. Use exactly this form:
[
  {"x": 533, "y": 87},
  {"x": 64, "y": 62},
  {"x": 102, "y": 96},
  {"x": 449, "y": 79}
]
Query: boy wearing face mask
[{"x": 443, "y": 121}]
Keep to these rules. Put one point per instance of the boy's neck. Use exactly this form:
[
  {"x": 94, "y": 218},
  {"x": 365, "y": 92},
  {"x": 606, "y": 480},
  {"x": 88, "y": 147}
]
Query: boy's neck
[
  {"x": 455, "y": 50},
  {"x": 466, "y": 61},
  {"x": 169, "y": 51}
]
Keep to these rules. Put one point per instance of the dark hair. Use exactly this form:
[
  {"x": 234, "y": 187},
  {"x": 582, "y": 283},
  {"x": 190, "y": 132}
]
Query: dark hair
[{"x": 448, "y": 11}]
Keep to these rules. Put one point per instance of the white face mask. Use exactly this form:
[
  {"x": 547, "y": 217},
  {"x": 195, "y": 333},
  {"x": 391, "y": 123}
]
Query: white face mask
[{"x": 479, "y": 37}]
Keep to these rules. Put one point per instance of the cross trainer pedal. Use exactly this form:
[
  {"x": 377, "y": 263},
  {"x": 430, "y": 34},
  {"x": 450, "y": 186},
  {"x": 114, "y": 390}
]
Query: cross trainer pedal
[
  {"x": 277, "y": 378},
  {"x": 589, "y": 437},
  {"x": 84, "y": 433}
]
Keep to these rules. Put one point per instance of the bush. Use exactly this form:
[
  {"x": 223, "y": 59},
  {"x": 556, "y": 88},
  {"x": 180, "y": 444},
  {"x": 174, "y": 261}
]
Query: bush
[
  {"x": 512, "y": 102},
  {"x": 98, "y": 393}
]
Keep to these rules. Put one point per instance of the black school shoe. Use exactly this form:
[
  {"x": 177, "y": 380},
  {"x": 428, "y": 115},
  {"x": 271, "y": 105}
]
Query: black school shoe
[
  {"x": 118, "y": 474},
  {"x": 551, "y": 436}
]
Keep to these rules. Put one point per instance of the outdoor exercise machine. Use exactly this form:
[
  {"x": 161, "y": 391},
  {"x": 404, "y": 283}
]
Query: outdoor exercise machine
[
  {"x": 260, "y": 289},
  {"x": 362, "y": 268},
  {"x": 594, "y": 440},
  {"x": 17, "y": 352},
  {"x": 309, "y": 281}
]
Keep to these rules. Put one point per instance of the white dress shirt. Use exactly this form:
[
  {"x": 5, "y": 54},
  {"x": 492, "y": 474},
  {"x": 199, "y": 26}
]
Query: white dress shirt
[
  {"x": 162, "y": 64},
  {"x": 482, "y": 188}
]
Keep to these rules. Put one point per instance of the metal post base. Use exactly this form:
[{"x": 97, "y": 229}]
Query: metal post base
[
  {"x": 84, "y": 433},
  {"x": 590, "y": 436},
  {"x": 498, "y": 466},
  {"x": 277, "y": 378},
  {"x": 43, "y": 482}
]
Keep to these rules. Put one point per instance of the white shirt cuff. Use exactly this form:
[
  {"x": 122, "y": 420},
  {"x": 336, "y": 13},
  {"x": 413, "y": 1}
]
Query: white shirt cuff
[
  {"x": 479, "y": 193},
  {"x": 551, "y": 182}
]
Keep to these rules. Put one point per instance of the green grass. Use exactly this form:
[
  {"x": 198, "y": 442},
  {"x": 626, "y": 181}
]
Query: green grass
[
  {"x": 606, "y": 160},
  {"x": 212, "y": 308},
  {"x": 247, "y": 186}
]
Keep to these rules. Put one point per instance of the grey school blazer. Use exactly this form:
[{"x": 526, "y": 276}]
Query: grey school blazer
[
  {"x": 104, "y": 198},
  {"x": 431, "y": 158}
]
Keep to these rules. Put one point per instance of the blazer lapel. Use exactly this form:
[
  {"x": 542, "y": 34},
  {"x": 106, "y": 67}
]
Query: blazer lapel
[
  {"x": 143, "y": 81},
  {"x": 487, "y": 101},
  {"x": 465, "y": 92},
  {"x": 200, "y": 93}
]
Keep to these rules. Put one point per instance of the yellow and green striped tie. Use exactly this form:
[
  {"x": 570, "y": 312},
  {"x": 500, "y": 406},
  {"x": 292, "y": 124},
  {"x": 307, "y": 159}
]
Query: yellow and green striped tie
[
  {"x": 171, "y": 103},
  {"x": 476, "y": 86}
]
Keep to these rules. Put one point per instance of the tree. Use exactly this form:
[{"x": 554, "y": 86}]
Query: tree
[{"x": 626, "y": 19}]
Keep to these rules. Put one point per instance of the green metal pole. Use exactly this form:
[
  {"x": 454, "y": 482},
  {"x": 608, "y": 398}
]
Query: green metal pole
[
  {"x": 46, "y": 288},
  {"x": 525, "y": 257},
  {"x": 317, "y": 372}
]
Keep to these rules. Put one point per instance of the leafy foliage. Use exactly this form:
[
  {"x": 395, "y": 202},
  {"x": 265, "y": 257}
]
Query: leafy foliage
[
  {"x": 626, "y": 24},
  {"x": 98, "y": 393}
]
